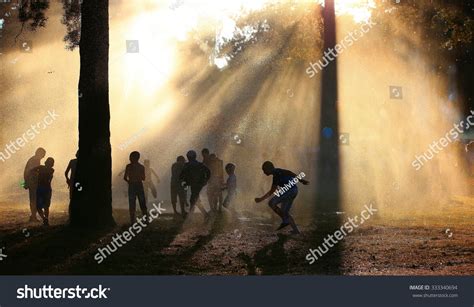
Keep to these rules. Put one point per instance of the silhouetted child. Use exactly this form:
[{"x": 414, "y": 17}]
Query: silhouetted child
[
  {"x": 196, "y": 175},
  {"x": 205, "y": 157},
  {"x": 177, "y": 186},
  {"x": 285, "y": 180},
  {"x": 134, "y": 176},
  {"x": 148, "y": 185},
  {"x": 71, "y": 168},
  {"x": 230, "y": 185},
  {"x": 44, "y": 191},
  {"x": 214, "y": 187}
]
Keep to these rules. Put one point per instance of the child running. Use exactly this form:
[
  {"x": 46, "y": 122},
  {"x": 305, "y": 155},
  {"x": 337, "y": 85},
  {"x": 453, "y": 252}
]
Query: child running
[
  {"x": 44, "y": 173},
  {"x": 195, "y": 175},
  {"x": 134, "y": 176},
  {"x": 284, "y": 179}
]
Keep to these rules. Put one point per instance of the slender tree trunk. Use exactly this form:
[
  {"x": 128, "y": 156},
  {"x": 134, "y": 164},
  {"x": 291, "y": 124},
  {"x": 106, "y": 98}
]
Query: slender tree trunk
[
  {"x": 328, "y": 161},
  {"x": 91, "y": 203}
]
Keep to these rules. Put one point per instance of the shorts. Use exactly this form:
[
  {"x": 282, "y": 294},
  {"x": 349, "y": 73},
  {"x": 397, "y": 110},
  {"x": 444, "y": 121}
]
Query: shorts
[
  {"x": 286, "y": 200},
  {"x": 43, "y": 197}
]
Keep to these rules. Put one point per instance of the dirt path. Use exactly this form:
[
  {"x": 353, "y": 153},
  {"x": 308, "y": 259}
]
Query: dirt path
[{"x": 247, "y": 245}]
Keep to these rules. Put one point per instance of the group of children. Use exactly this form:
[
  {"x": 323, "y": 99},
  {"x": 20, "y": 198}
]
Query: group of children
[
  {"x": 196, "y": 175},
  {"x": 191, "y": 175}
]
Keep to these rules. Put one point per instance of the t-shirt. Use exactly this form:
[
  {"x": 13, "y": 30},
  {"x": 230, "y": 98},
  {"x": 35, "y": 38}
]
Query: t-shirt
[
  {"x": 176, "y": 170},
  {"x": 30, "y": 177},
  {"x": 45, "y": 176},
  {"x": 216, "y": 166},
  {"x": 195, "y": 174},
  {"x": 282, "y": 177},
  {"x": 135, "y": 173}
]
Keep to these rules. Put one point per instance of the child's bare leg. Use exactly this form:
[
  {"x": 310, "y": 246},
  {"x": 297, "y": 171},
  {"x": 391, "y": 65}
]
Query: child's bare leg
[
  {"x": 201, "y": 208},
  {"x": 273, "y": 203},
  {"x": 41, "y": 214},
  {"x": 293, "y": 224},
  {"x": 278, "y": 211},
  {"x": 46, "y": 213}
]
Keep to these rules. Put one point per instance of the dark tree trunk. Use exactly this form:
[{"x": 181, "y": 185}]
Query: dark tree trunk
[
  {"x": 91, "y": 203},
  {"x": 328, "y": 160}
]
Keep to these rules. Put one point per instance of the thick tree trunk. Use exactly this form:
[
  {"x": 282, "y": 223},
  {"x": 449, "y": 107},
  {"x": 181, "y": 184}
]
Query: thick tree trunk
[
  {"x": 91, "y": 203},
  {"x": 328, "y": 161}
]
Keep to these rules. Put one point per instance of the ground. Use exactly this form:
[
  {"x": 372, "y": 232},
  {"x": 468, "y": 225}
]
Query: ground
[{"x": 248, "y": 245}]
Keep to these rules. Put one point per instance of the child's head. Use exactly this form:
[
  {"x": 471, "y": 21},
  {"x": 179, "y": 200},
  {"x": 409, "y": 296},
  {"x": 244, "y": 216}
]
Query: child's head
[
  {"x": 49, "y": 163},
  {"x": 134, "y": 156},
  {"x": 212, "y": 157},
  {"x": 268, "y": 168},
  {"x": 146, "y": 163},
  {"x": 180, "y": 159},
  {"x": 191, "y": 155},
  {"x": 229, "y": 168},
  {"x": 205, "y": 152},
  {"x": 40, "y": 153}
]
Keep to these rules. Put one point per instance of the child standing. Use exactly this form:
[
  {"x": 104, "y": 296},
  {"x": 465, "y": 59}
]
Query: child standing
[
  {"x": 44, "y": 191},
  {"x": 134, "y": 176},
  {"x": 230, "y": 185},
  {"x": 195, "y": 175},
  {"x": 177, "y": 188}
]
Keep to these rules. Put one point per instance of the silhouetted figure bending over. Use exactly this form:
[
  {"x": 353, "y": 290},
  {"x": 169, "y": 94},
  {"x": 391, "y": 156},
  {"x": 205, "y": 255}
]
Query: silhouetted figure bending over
[
  {"x": 195, "y": 175},
  {"x": 31, "y": 180},
  {"x": 71, "y": 168},
  {"x": 148, "y": 185},
  {"x": 134, "y": 176},
  {"x": 284, "y": 179},
  {"x": 44, "y": 173},
  {"x": 177, "y": 188}
]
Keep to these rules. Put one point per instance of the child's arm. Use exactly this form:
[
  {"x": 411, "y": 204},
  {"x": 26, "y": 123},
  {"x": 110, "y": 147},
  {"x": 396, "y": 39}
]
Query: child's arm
[
  {"x": 156, "y": 176},
  {"x": 267, "y": 195},
  {"x": 143, "y": 174},
  {"x": 125, "y": 176},
  {"x": 66, "y": 173},
  {"x": 34, "y": 170},
  {"x": 26, "y": 172},
  {"x": 51, "y": 175}
]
